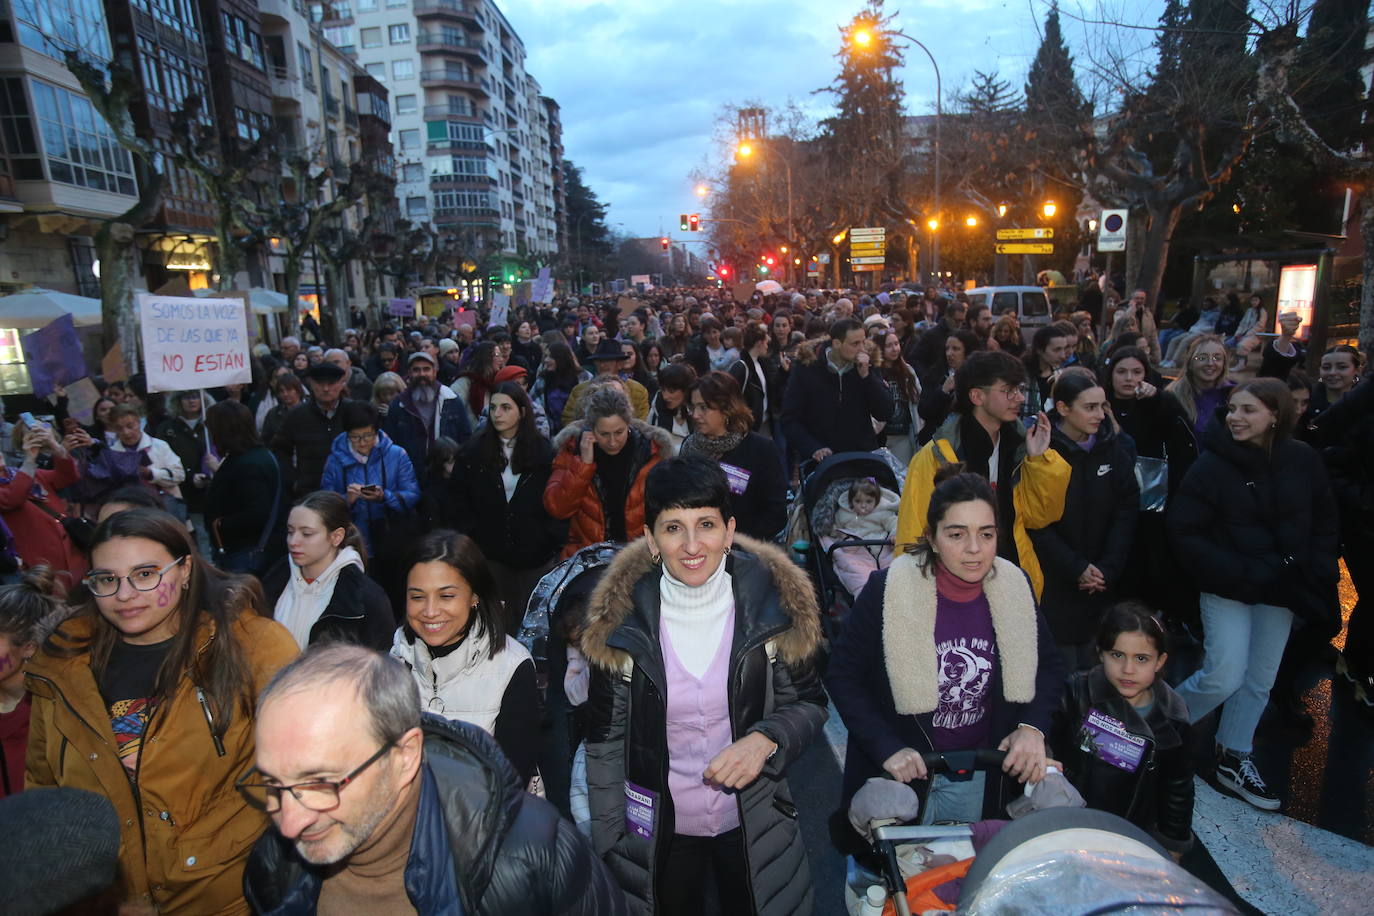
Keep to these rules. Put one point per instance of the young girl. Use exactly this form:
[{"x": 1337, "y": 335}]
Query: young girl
[
  {"x": 869, "y": 512},
  {"x": 1123, "y": 735}
]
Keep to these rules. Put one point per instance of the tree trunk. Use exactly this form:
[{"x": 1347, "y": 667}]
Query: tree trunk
[
  {"x": 114, "y": 243},
  {"x": 229, "y": 259},
  {"x": 292, "y": 277},
  {"x": 1136, "y": 228},
  {"x": 1367, "y": 287},
  {"x": 1154, "y": 253}
]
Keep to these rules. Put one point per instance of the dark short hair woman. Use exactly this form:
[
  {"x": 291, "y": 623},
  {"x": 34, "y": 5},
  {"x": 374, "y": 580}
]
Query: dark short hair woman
[
  {"x": 671, "y": 410},
  {"x": 946, "y": 650},
  {"x": 453, "y": 640},
  {"x": 145, "y": 696},
  {"x": 242, "y": 507},
  {"x": 497, "y": 498},
  {"x": 752, "y": 465},
  {"x": 710, "y": 637}
]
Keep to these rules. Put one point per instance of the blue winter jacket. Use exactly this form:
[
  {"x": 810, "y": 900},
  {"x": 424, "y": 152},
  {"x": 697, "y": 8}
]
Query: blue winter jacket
[{"x": 388, "y": 466}]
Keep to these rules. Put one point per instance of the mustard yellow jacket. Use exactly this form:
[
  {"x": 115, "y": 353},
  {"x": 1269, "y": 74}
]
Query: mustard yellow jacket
[
  {"x": 185, "y": 836},
  {"x": 1038, "y": 497}
]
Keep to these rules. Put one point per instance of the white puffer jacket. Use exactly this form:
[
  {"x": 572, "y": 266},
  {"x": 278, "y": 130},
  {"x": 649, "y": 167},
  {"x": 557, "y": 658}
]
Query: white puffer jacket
[{"x": 466, "y": 684}]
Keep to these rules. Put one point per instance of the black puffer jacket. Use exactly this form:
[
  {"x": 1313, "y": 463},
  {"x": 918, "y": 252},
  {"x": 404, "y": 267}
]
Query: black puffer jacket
[
  {"x": 1158, "y": 796},
  {"x": 508, "y": 853},
  {"x": 1259, "y": 527},
  {"x": 520, "y": 532},
  {"x": 358, "y": 610},
  {"x": 779, "y": 697},
  {"x": 1097, "y": 527}
]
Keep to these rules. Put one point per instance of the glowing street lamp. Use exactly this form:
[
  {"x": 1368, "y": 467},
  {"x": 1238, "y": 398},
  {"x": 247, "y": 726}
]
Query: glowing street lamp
[
  {"x": 1001, "y": 210},
  {"x": 1049, "y": 209},
  {"x": 971, "y": 221},
  {"x": 862, "y": 37},
  {"x": 933, "y": 224},
  {"x": 745, "y": 150},
  {"x": 702, "y": 190}
]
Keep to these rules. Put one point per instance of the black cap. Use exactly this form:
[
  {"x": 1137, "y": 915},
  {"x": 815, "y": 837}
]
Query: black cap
[
  {"x": 609, "y": 348},
  {"x": 325, "y": 372}
]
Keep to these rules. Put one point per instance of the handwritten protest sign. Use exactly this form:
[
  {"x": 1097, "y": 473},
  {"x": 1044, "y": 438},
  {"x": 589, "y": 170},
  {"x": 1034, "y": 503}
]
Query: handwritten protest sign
[
  {"x": 541, "y": 289},
  {"x": 53, "y": 355},
  {"x": 82, "y": 396},
  {"x": 193, "y": 343},
  {"x": 500, "y": 309},
  {"x": 627, "y": 305},
  {"x": 401, "y": 308}
]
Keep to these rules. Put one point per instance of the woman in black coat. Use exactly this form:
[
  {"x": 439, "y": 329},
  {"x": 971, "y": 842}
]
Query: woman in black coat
[
  {"x": 752, "y": 464},
  {"x": 756, "y": 372},
  {"x": 1083, "y": 555},
  {"x": 937, "y": 388},
  {"x": 498, "y": 498},
  {"x": 1256, "y": 527},
  {"x": 244, "y": 492}
]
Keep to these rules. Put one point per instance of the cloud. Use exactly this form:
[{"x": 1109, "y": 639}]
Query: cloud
[{"x": 643, "y": 83}]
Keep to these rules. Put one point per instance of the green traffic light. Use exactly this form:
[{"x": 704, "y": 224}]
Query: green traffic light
[
  {"x": 762, "y": 269},
  {"x": 682, "y": 221}
]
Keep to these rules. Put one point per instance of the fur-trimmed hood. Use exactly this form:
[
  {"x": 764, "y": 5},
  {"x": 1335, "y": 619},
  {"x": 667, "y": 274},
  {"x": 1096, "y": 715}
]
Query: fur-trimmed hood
[
  {"x": 909, "y": 607},
  {"x": 574, "y": 430},
  {"x": 613, "y": 601}
]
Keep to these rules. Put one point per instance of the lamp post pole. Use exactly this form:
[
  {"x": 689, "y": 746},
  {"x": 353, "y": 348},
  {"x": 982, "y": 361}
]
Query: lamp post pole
[
  {"x": 939, "y": 117},
  {"x": 747, "y": 149}
]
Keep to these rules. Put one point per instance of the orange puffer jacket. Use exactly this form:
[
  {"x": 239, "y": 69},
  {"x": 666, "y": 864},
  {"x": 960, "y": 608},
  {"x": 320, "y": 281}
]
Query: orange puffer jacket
[
  {"x": 573, "y": 492},
  {"x": 186, "y": 834}
]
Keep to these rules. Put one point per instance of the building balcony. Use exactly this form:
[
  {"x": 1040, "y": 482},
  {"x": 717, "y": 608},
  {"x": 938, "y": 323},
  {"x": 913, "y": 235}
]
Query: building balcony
[
  {"x": 453, "y": 182},
  {"x": 350, "y": 116},
  {"x": 516, "y": 193},
  {"x": 441, "y": 43},
  {"x": 460, "y": 147},
  {"x": 451, "y": 113},
  {"x": 450, "y": 79},
  {"x": 472, "y": 215},
  {"x": 454, "y": 10}
]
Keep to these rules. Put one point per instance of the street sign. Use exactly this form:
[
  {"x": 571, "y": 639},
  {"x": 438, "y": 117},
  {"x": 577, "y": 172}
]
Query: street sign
[
  {"x": 872, "y": 232},
  {"x": 866, "y": 247},
  {"x": 823, "y": 258},
  {"x": 867, "y": 260},
  {"x": 863, "y": 267},
  {"x": 1006, "y": 234},
  {"x": 1111, "y": 231},
  {"x": 1026, "y": 248}
]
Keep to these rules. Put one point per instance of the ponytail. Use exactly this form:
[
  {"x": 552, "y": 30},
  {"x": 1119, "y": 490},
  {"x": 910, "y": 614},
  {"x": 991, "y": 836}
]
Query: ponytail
[
  {"x": 32, "y": 608},
  {"x": 333, "y": 512}
]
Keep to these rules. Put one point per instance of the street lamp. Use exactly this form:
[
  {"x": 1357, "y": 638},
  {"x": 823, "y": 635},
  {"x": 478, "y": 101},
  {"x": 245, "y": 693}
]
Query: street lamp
[
  {"x": 1049, "y": 209},
  {"x": 863, "y": 39},
  {"x": 701, "y": 190},
  {"x": 745, "y": 150},
  {"x": 971, "y": 221},
  {"x": 933, "y": 224}
]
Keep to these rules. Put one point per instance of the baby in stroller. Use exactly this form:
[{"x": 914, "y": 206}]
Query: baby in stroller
[{"x": 865, "y": 512}]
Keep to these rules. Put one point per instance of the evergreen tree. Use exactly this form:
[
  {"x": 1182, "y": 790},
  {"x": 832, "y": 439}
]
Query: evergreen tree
[
  {"x": 1328, "y": 84},
  {"x": 589, "y": 240},
  {"x": 1052, "y": 94}
]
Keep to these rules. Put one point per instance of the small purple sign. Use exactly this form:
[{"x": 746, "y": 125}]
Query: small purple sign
[
  {"x": 639, "y": 810},
  {"x": 736, "y": 477},
  {"x": 401, "y": 308},
  {"x": 1108, "y": 739}
]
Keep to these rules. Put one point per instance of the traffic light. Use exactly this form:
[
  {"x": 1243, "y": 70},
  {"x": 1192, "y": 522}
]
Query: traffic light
[
  {"x": 664, "y": 242},
  {"x": 763, "y": 269},
  {"x": 770, "y": 260},
  {"x": 724, "y": 270},
  {"x": 682, "y": 222},
  {"x": 694, "y": 222}
]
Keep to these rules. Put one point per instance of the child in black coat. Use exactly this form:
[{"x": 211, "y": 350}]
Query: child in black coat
[{"x": 1123, "y": 736}]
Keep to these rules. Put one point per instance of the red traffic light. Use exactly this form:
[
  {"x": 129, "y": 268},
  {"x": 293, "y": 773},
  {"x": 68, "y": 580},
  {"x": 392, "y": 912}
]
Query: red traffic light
[
  {"x": 694, "y": 222},
  {"x": 770, "y": 260},
  {"x": 664, "y": 242},
  {"x": 723, "y": 270}
]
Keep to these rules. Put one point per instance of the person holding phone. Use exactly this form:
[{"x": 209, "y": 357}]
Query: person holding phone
[
  {"x": 985, "y": 434},
  {"x": 373, "y": 473},
  {"x": 31, "y": 507}
]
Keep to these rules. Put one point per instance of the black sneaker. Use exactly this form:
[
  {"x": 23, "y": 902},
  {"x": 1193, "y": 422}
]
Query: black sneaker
[{"x": 1237, "y": 773}]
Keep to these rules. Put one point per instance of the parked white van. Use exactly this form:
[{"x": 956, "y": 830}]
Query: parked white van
[{"x": 1030, "y": 303}]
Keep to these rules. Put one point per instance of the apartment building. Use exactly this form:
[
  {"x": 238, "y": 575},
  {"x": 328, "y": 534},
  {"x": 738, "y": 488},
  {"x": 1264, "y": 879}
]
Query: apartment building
[
  {"x": 61, "y": 171},
  {"x": 474, "y": 140}
]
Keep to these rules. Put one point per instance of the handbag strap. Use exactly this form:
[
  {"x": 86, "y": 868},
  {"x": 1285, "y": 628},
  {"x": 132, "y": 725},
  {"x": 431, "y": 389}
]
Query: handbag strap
[
  {"x": 276, "y": 504},
  {"x": 49, "y": 510}
]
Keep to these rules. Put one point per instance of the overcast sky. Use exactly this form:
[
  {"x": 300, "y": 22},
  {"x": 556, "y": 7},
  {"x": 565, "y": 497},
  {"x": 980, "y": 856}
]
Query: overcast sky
[{"x": 642, "y": 83}]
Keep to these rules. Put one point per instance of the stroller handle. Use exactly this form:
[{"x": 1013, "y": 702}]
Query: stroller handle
[{"x": 959, "y": 766}]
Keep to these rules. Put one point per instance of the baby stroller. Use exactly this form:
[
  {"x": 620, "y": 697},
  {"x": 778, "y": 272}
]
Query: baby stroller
[
  {"x": 1066, "y": 861},
  {"x": 814, "y": 516},
  {"x": 559, "y": 597}
]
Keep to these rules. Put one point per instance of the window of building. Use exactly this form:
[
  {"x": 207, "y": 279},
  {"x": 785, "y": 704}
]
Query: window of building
[
  {"x": 462, "y": 200},
  {"x": 412, "y": 172},
  {"x": 52, "y": 26},
  {"x": 405, "y": 104},
  {"x": 367, "y": 6},
  {"x": 393, "y": 4},
  {"x": 79, "y": 146},
  {"x": 307, "y": 66},
  {"x": 372, "y": 38},
  {"x": 399, "y": 33},
  {"x": 341, "y": 10},
  {"x": 376, "y": 71},
  {"x": 417, "y": 206},
  {"x": 403, "y": 69},
  {"x": 410, "y": 140},
  {"x": 340, "y": 36},
  {"x": 18, "y": 143},
  {"x": 241, "y": 41}
]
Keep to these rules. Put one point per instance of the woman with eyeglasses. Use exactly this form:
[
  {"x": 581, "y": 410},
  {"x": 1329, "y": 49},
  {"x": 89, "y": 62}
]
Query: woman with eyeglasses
[
  {"x": 1191, "y": 401},
  {"x": 146, "y": 696},
  {"x": 373, "y": 473}
]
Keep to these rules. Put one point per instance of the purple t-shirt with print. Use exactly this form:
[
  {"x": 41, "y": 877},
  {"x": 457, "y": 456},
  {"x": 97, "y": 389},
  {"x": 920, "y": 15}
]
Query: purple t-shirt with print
[{"x": 966, "y": 655}]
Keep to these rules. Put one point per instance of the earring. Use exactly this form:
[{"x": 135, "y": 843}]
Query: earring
[
  {"x": 656, "y": 559},
  {"x": 726, "y": 551},
  {"x": 1274, "y": 425}
]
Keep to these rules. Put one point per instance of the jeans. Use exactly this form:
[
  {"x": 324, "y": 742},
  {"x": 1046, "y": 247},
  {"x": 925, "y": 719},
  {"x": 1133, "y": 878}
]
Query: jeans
[
  {"x": 1244, "y": 645},
  {"x": 954, "y": 801}
]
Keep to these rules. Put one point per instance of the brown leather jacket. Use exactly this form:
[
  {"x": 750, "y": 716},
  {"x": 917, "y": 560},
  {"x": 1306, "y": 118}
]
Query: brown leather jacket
[{"x": 186, "y": 834}]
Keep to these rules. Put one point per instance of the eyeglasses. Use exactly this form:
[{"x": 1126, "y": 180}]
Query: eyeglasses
[
  {"x": 144, "y": 579},
  {"x": 360, "y": 438},
  {"x": 1007, "y": 391},
  {"x": 1209, "y": 358},
  {"x": 320, "y": 795}
]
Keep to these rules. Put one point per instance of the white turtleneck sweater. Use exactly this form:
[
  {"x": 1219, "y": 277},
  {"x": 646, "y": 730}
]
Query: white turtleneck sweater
[
  {"x": 694, "y": 617},
  {"x": 509, "y": 479}
]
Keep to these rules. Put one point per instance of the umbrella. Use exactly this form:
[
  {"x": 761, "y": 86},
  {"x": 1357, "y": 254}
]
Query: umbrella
[
  {"x": 263, "y": 301},
  {"x": 768, "y": 287},
  {"x": 1051, "y": 278},
  {"x": 37, "y": 307}
]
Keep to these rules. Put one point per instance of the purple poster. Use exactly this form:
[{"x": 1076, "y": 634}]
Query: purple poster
[{"x": 53, "y": 355}]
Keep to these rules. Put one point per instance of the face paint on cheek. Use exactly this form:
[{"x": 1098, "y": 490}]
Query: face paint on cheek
[
  {"x": 166, "y": 594},
  {"x": 5, "y": 663}
]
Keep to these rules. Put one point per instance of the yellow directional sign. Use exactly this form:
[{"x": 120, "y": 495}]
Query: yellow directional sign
[
  {"x": 1026, "y": 248},
  {"x": 866, "y": 247},
  {"x": 1003, "y": 234}
]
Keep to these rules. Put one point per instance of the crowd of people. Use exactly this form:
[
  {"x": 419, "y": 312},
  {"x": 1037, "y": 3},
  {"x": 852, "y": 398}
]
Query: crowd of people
[{"x": 226, "y": 607}]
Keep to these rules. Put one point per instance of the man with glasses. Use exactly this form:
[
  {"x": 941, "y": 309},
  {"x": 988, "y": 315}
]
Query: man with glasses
[
  {"x": 985, "y": 433},
  {"x": 379, "y": 811}
]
